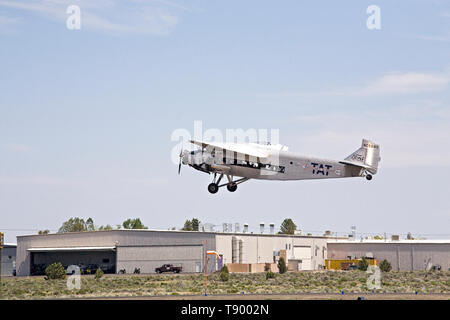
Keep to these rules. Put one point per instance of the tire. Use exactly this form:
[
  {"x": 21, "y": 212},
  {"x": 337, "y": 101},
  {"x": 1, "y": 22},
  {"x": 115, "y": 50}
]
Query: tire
[
  {"x": 213, "y": 188},
  {"x": 369, "y": 177},
  {"x": 232, "y": 187}
]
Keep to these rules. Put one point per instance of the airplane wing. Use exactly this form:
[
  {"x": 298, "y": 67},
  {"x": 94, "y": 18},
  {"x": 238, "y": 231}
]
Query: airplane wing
[{"x": 244, "y": 151}]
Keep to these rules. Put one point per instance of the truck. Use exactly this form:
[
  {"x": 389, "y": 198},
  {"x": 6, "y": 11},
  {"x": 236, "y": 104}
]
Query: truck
[{"x": 168, "y": 268}]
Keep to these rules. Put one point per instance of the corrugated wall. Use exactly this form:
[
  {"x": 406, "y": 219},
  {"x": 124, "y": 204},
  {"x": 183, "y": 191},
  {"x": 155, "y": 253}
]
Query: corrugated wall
[{"x": 402, "y": 256}]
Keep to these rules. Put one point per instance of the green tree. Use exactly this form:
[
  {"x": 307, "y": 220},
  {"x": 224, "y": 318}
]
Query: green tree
[
  {"x": 90, "y": 225},
  {"x": 385, "y": 266},
  {"x": 195, "y": 224},
  {"x": 107, "y": 227},
  {"x": 270, "y": 275},
  {"x": 282, "y": 268},
  {"x": 224, "y": 273},
  {"x": 187, "y": 226},
  {"x": 77, "y": 225},
  {"x": 363, "y": 264},
  {"x": 133, "y": 224},
  {"x": 287, "y": 227},
  {"x": 55, "y": 271},
  {"x": 44, "y": 232},
  {"x": 99, "y": 273}
]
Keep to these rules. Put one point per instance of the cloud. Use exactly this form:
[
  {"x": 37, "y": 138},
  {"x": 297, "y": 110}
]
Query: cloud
[
  {"x": 107, "y": 16},
  {"x": 435, "y": 38},
  {"x": 15, "y": 147},
  {"x": 409, "y": 136},
  {"x": 387, "y": 84},
  {"x": 8, "y": 24},
  {"x": 404, "y": 83}
]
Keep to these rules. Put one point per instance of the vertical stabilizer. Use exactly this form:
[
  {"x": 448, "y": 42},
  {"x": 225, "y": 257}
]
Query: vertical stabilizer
[{"x": 368, "y": 156}]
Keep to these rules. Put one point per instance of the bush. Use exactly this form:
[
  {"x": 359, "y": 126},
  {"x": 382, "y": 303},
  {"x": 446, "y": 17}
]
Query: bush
[
  {"x": 385, "y": 266},
  {"x": 55, "y": 271},
  {"x": 224, "y": 273},
  {"x": 363, "y": 264},
  {"x": 282, "y": 268},
  {"x": 99, "y": 273},
  {"x": 270, "y": 275}
]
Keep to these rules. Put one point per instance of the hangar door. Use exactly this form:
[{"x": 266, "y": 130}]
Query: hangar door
[
  {"x": 147, "y": 258},
  {"x": 303, "y": 253},
  {"x": 88, "y": 259}
]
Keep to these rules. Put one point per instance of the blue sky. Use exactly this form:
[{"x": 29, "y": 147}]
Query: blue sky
[{"x": 86, "y": 115}]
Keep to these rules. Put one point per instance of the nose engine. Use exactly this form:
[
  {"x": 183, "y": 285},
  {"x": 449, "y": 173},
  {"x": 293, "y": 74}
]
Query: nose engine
[{"x": 197, "y": 159}]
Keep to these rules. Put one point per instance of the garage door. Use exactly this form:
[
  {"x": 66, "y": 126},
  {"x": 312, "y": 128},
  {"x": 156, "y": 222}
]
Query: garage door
[
  {"x": 303, "y": 253},
  {"x": 147, "y": 258}
]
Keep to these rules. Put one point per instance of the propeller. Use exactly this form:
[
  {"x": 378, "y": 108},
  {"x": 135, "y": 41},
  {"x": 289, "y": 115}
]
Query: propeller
[{"x": 179, "y": 164}]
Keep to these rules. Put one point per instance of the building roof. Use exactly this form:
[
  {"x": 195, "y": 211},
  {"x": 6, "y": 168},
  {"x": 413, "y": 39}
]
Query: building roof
[
  {"x": 441, "y": 241},
  {"x": 10, "y": 245},
  {"x": 183, "y": 231},
  {"x": 65, "y": 249}
]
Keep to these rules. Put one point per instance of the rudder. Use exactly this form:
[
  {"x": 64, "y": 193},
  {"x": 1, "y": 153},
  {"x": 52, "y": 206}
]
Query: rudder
[{"x": 368, "y": 156}]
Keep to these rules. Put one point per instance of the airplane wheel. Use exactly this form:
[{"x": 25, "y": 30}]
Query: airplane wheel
[
  {"x": 369, "y": 177},
  {"x": 232, "y": 187},
  {"x": 213, "y": 188}
]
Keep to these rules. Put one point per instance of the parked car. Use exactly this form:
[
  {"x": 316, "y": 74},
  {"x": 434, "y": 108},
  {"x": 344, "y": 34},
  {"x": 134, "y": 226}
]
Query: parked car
[{"x": 168, "y": 268}]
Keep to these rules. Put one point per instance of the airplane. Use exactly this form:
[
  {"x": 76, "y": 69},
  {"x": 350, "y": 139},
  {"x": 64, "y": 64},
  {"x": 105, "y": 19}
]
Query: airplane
[{"x": 274, "y": 162}]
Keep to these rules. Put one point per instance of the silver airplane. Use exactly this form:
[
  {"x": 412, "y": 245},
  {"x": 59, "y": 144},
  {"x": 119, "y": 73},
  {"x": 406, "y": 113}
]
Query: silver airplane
[{"x": 274, "y": 162}]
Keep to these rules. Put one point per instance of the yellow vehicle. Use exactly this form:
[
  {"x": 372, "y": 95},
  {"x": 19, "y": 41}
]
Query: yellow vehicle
[{"x": 346, "y": 264}]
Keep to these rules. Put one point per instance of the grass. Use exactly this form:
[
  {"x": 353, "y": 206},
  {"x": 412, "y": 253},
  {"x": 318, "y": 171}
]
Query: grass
[{"x": 193, "y": 284}]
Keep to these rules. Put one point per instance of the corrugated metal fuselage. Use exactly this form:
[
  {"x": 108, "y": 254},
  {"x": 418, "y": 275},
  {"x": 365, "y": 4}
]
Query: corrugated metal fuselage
[{"x": 285, "y": 166}]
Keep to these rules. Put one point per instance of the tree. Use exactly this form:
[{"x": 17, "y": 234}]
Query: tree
[
  {"x": 107, "y": 227},
  {"x": 77, "y": 225},
  {"x": 44, "y": 232},
  {"x": 377, "y": 237},
  {"x": 90, "y": 225},
  {"x": 187, "y": 226},
  {"x": 224, "y": 273},
  {"x": 133, "y": 224},
  {"x": 282, "y": 265},
  {"x": 409, "y": 236},
  {"x": 195, "y": 224},
  {"x": 55, "y": 271},
  {"x": 98, "y": 274},
  {"x": 363, "y": 264},
  {"x": 385, "y": 266},
  {"x": 287, "y": 227}
]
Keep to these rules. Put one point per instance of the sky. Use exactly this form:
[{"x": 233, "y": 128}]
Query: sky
[{"x": 87, "y": 115}]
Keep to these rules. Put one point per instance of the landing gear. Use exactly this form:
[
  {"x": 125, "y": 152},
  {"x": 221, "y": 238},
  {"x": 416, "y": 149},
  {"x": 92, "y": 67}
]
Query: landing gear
[
  {"x": 369, "y": 177},
  {"x": 231, "y": 185},
  {"x": 213, "y": 188}
]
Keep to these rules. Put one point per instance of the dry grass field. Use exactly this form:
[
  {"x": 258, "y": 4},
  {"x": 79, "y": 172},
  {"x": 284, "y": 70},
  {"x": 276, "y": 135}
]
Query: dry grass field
[{"x": 302, "y": 283}]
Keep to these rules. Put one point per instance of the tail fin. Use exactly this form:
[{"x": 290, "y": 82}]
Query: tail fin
[{"x": 367, "y": 156}]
